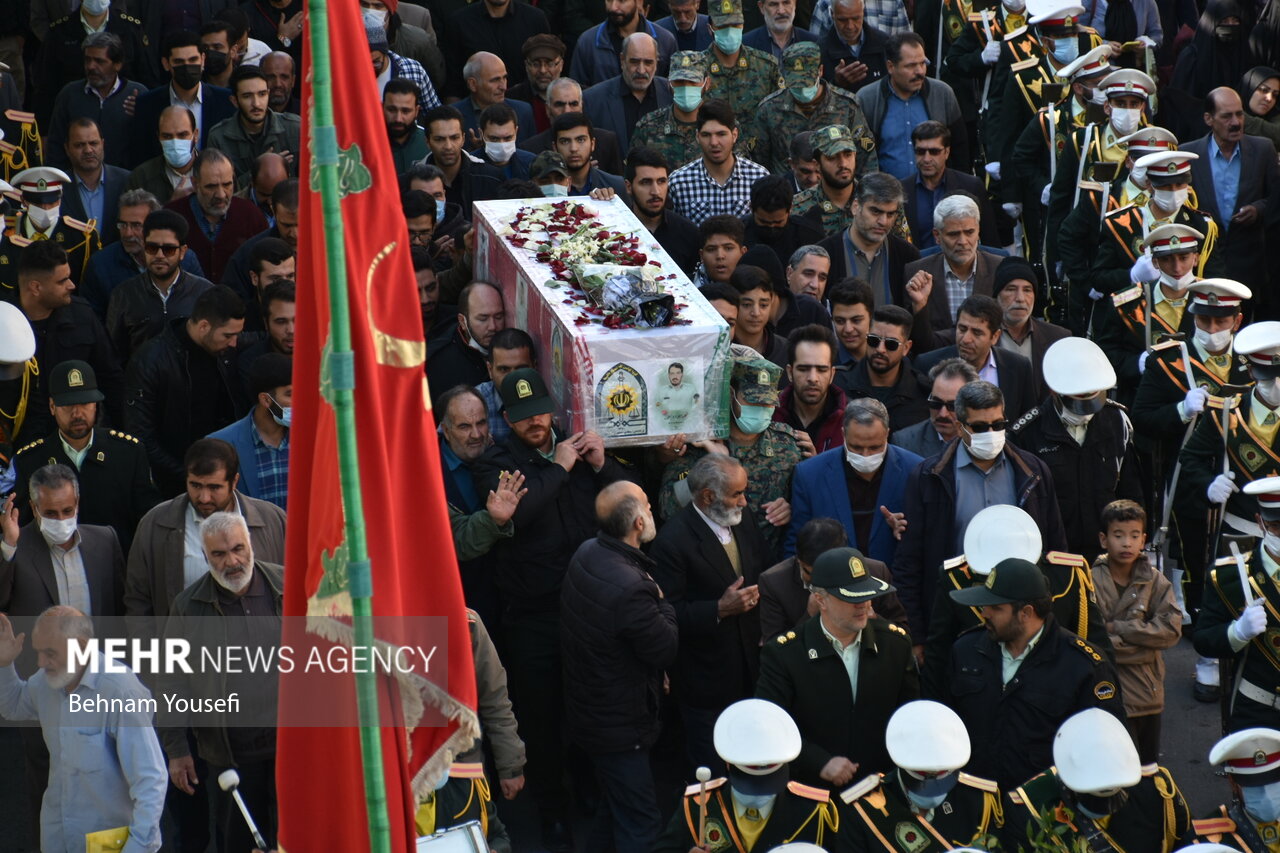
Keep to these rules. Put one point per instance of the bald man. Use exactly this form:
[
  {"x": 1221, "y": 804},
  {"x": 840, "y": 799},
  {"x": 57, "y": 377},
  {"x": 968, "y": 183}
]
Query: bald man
[
  {"x": 485, "y": 76},
  {"x": 268, "y": 170},
  {"x": 618, "y": 636},
  {"x": 618, "y": 103}
]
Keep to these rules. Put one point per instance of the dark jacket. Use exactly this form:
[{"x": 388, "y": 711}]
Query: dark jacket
[
  {"x": 1013, "y": 372},
  {"x": 799, "y": 310},
  {"x": 215, "y": 105},
  {"x": 1011, "y": 727},
  {"x": 784, "y": 599},
  {"x": 603, "y": 103},
  {"x": 159, "y": 402},
  {"x": 908, "y": 402},
  {"x": 874, "y": 55},
  {"x": 553, "y": 519},
  {"x": 74, "y": 102},
  {"x": 799, "y": 231},
  {"x": 114, "y": 180},
  {"x": 936, "y": 315},
  {"x": 953, "y": 182},
  {"x": 801, "y": 672},
  {"x": 451, "y": 361},
  {"x": 921, "y": 439},
  {"x": 150, "y": 175},
  {"x": 471, "y": 28},
  {"x": 827, "y": 430},
  {"x": 62, "y": 56},
  {"x": 679, "y": 239},
  {"x": 608, "y": 154},
  {"x": 1043, "y": 336},
  {"x": 136, "y": 313},
  {"x": 617, "y": 635},
  {"x": 243, "y": 220},
  {"x": 900, "y": 251},
  {"x": 471, "y": 116},
  {"x": 595, "y": 59},
  {"x": 475, "y": 181},
  {"x": 113, "y": 266},
  {"x": 719, "y": 658},
  {"x": 930, "y": 537}
]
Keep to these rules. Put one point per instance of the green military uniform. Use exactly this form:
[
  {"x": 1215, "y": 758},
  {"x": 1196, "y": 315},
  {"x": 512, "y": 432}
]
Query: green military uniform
[
  {"x": 1075, "y": 608},
  {"x": 814, "y": 204},
  {"x": 1154, "y": 819},
  {"x": 677, "y": 140},
  {"x": 752, "y": 77},
  {"x": 115, "y": 479},
  {"x": 1230, "y": 826},
  {"x": 781, "y": 116},
  {"x": 879, "y": 818},
  {"x": 800, "y": 814},
  {"x": 464, "y": 798}
]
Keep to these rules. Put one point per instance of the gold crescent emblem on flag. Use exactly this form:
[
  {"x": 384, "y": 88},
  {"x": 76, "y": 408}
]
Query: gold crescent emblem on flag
[{"x": 391, "y": 351}]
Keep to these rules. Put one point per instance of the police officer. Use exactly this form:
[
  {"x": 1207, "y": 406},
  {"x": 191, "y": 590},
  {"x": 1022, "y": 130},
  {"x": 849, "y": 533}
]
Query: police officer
[
  {"x": 1019, "y": 678},
  {"x": 758, "y": 807},
  {"x": 673, "y": 129},
  {"x": 1097, "y": 795},
  {"x": 805, "y": 672},
  {"x": 808, "y": 103},
  {"x": 39, "y": 219},
  {"x": 1085, "y": 438},
  {"x": 1251, "y": 760},
  {"x": 994, "y": 534},
  {"x": 112, "y": 467},
  {"x": 17, "y": 369},
  {"x": 741, "y": 75},
  {"x": 463, "y": 796},
  {"x": 925, "y": 804},
  {"x": 1237, "y": 623}
]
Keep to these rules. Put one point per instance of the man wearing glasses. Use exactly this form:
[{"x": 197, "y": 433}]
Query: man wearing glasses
[
  {"x": 139, "y": 307},
  {"x": 930, "y": 436},
  {"x": 885, "y": 373},
  {"x": 948, "y": 489}
]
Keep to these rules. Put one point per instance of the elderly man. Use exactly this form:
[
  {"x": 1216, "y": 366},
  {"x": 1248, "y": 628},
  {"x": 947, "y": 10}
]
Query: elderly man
[
  {"x": 854, "y": 52},
  {"x": 596, "y": 54},
  {"x": 886, "y": 373},
  {"x": 218, "y": 221},
  {"x": 168, "y": 175},
  {"x": 779, "y": 31},
  {"x": 1014, "y": 286},
  {"x": 808, "y": 271},
  {"x": 619, "y": 636},
  {"x": 112, "y": 773},
  {"x": 102, "y": 96},
  {"x": 237, "y": 602},
  {"x": 691, "y": 28},
  {"x": 949, "y": 489},
  {"x": 845, "y": 644},
  {"x": 709, "y": 556},
  {"x": 458, "y": 359},
  {"x": 619, "y": 101},
  {"x": 281, "y": 76},
  {"x": 255, "y": 129},
  {"x": 486, "y": 80},
  {"x": 859, "y": 483},
  {"x": 930, "y": 437},
  {"x": 564, "y": 95},
  {"x": 543, "y": 62}
]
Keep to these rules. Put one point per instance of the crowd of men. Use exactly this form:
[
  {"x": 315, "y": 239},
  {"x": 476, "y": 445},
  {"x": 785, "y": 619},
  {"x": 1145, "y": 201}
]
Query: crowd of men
[{"x": 1004, "y": 410}]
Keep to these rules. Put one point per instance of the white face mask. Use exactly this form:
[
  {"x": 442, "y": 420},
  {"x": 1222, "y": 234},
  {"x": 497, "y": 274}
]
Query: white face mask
[
  {"x": 986, "y": 445},
  {"x": 865, "y": 464},
  {"x": 58, "y": 531},
  {"x": 1125, "y": 120},
  {"x": 500, "y": 152},
  {"x": 1098, "y": 97},
  {"x": 376, "y": 18},
  {"x": 1071, "y": 418},
  {"x": 43, "y": 218},
  {"x": 1015, "y": 6},
  {"x": 1172, "y": 199},
  {"x": 1271, "y": 541},
  {"x": 1268, "y": 391},
  {"x": 1180, "y": 283},
  {"x": 95, "y": 7},
  {"x": 1215, "y": 342}
]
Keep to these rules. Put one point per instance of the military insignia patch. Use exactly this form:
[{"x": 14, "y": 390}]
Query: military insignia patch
[
  {"x": 717, "y": 838},
  {"x": 1105, "y": 690},
  {"x": 954, "y": 27},
  {"x": 910, "y": 838},
  {"x": 1251, "y": 457}
]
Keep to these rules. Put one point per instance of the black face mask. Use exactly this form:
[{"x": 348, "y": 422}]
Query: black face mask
[
  {"x": 186, "y": 76},
  {"x": 1091, "y": 406},
  {"x": 215, "y": 62}
]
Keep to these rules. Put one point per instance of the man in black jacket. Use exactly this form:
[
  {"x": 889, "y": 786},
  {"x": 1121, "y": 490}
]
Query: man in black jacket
[
  {"x": 183, "y": 385},
  {"x": 619, "y": 634},
  {"x": 868, "y": 249},
  {"x": 563, "y": 475}
]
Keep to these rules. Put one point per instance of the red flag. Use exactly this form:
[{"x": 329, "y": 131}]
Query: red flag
[{"x": 406, "y": 524}]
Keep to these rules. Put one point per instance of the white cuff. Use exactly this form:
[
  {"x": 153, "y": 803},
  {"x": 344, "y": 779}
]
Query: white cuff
[
  {"x": 1182, "y": 412},
  {"x": 7, "y": 551},
  {"x": 1233, "y": 637}
]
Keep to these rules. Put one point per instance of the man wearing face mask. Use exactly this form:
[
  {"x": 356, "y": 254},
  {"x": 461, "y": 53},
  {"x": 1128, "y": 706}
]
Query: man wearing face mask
[
  {"x": 41, "y": 219},
  {"x": 1083, "y": 437},
  {"x": 1100, "y": 792},
  {"x": 1251, "y": 759},
  {"x": 808, "y": 103},
  {"x": 168, "y": 175},
  {"x": 928, "y": 744},
  {"x": 181, "y": 58},
  {"x": 459, "y": 358},
  {"x": 261, "y": 438},
  {"x": 673, "y": 129},
  {"x": 498, "y": 128},
  {"x": 741, "y": 75}
]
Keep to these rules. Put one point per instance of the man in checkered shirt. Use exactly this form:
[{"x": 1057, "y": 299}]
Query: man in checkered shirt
[{"x": 719, "y": 182}]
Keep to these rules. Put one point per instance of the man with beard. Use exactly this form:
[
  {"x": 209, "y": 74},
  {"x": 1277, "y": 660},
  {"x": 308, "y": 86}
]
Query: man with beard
[
  {"x": 281, "y": 75},
  {"x": 779, "y": 31},
  {"x": 868, "y": 249},
  {"x": 829, "y": 201},
  {"x": 1014, "y": 287},
  {"x": 103, "y": 95},
  {"x": 255, "y": 128},
  {"x": 772, "y": 224},
  {"x": 574, "y": 138},
  {"x": 645, "y": 180},
  {"x": 1057, "y": 675},
  {"x": 543, "y": 62},
  {"x": 618, "y": 102},
  {"x": 62, "y": 50},
  {"x": 810, "y": 403},
  {"x": 885, "y": 373},
  {"x": 466, "y": 179},
  {"x": 218, "y": 221},
  {"x": 400, "y": 112},
  {"x": 94, "y": 192},
  {"x": 459, "y": 358},
  {"x": 596, "y": 55}
]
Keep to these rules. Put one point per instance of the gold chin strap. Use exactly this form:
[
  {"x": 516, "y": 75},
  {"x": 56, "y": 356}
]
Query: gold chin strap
[{"x": 30, "y": 369}]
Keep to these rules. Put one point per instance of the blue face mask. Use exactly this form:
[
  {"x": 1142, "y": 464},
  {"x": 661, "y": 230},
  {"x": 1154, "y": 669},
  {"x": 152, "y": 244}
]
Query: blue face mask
[
  {"x": 924, "y": 804},
  {"x": 439, "y": 211},
  {"x": 1066, "y": 49},
  {"x": 687, "y": 98},
  {"x": 752, "y": 801},
  {"x": 729, "y": 39},
  {"x": 1262, "y": 801},
  {"x": 754, "y": 420},
  {"x": 554, "y": 190},
  {"x": 285, "y": 418}
]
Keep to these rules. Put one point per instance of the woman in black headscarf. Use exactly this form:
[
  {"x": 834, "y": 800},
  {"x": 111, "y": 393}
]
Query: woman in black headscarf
[
  {"x": 1219, "y": 53},
  {"x": 1260, "y": 92},
  {"x": 1264, "y": 40}
]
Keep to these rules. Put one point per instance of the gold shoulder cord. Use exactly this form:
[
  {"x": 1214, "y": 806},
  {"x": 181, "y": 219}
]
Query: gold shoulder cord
[
  {"x": 478, "y": 786},
  {"x": 30, "y": 369},
  {"x": 1167, "y": 790}
]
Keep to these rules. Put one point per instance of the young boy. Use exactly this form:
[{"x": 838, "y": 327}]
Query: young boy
[{"x": 1142, "y": 618}]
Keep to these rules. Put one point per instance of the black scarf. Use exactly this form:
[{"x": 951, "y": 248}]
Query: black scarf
[{"x": 1121, "y": 23}]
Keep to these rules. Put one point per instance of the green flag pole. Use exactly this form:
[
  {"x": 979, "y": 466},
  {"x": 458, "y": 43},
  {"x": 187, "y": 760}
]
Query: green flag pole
[{"x": 342, "y": 368}]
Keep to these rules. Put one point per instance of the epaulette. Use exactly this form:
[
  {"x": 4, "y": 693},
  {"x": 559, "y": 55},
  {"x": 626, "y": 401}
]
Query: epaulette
[
  {"x": 1214, "y": 826},
  {"x": 785, "y": 429},
  {"x": 860, "y": 790},
  {"x": 1015, "y": 797},
  {"x": 1087, "y": 649},
  {"x": 78, "y": 225},
  {"x": 466, "y": 770},
  {"x": 1164, "y": 345},
  {"x": 955, "y": 562},
  {"x": 1026, "y": 419},
  {"x": 977, "y": 782},
  {"x": 1091, "y": 186},
  {"x": 1013, "y": 34},
  {"x": 1216, "y": 402},
  {"x": 115, "y": 433},
  {"x": 36, "y": 443},
  {"x": 20, "y": 117},
  {"x": 1064, "y": 558},
  {"x": 821, "y": 795},
  {"x": 897, "y": 628},
  {"x": 1123, "y": 296},
  {"x": 1150, "y": 769},
  {"x": 782, "y": 639},
  {"x": 1024, "y": 64},
  {"x": 695, "y": 789},
  {"x": 19, "y": 241},
  {"x": 1115, "y": 404},
  {"x": 1221, "y": 561}
]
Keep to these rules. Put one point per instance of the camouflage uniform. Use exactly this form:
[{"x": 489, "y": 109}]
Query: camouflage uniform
[
  {"x": 780, "y": 116},
  {"x": 662, "y": 131},
  {"x": 769, "y": 462}
]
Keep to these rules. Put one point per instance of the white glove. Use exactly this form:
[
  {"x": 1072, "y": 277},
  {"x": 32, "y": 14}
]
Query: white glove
[
  {"x": 1013, "y": 209},
  {"x": 1221, "y": 488},
  {"x": 991, "y": 53},
  {"x": 1142, "y": 362},
  {"x": 1143, "y": 270},
  {"x": 1252, "y": 622},
  {"x": 1193, "y": 403},
  {"x": 993, "y": 169},
  {"x": 1044, "y": 194},
  {"x": 1148, "y": 41}
]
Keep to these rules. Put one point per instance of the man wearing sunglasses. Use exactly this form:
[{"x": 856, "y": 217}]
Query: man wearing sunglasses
[
  {"x": 885, "y": 373},
  {"x": 930, "y": 437},
  {"x": 945, "y": 491}
]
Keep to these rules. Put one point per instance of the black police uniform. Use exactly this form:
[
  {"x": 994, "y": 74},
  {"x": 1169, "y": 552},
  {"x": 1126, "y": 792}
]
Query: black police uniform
[
  {"x": 800, "y": 814},
  {"x": 115, "y": 479},
  {"x": 877, "y": 817}
]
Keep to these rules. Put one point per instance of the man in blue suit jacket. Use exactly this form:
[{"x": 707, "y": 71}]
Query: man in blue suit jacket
[
  {"x": 608, "y": 104},
  {"x": 867, "y": 471},
  {"x": 485, "y": 75},
  {"x": 181, "y": 57}
]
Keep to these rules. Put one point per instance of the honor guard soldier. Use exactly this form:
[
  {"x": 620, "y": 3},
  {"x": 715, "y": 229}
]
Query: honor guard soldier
[
  {"x": 462, "y": 796},
  {"x": 808, "y": 103},
  {"x": 1124, "y": 327},
  {"x": 1179, "y": 379},
  {"x": 842, "y": 675},
  {"x": 995, "y": 534},
  {"x": 1239, "y": 621},
  {"x": 758, "y": 807},
  {"x": 1100, "y": 793},
  {"x": 39, "y": 219},
  {"x": 1085, "y": 438},
  {"x": 1251, "y": 760},
  {"x": 741, "y": 75},
  {"x": 20, "y": 146},
  {"x": 673, "y": 129},
  {"x": 17, "y": 381},
  {"x": 830, "y": 201},
  {"x": 111, "y": 466},
  {"x": 925, "y": 804}
]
